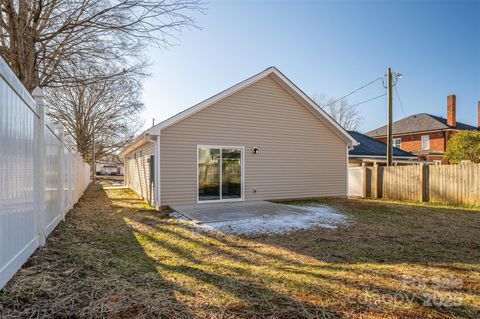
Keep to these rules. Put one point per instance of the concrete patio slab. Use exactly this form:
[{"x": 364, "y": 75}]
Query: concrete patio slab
[{"x": 220, "y": 212}]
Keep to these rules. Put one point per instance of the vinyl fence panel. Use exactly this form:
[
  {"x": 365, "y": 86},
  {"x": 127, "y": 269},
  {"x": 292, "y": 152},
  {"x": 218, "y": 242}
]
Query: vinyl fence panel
[
  {"x": 18, "y": 225},
  {"x": 52, "y": 180},
  {"x": 356, "y": 181},
  {"x": 40, "y": 176}
]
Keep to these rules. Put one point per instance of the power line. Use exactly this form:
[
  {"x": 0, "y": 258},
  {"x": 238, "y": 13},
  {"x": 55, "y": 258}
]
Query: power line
[
  {"x": 400, "y": 100},
  {"x": 401, "y": 105},
  {"x": 373, "y": 98},
  {"x": 354, "y": 91}
]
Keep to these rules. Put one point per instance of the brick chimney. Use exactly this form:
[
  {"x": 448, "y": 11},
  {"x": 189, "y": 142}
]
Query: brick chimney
[
  {"x": 451, "y": 110},
  {"x": 478, "y": 114}
]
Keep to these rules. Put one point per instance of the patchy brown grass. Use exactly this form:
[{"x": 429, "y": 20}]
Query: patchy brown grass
[
  {"x": 115, "y": 257},
  {"x": 109, "y": 180}
]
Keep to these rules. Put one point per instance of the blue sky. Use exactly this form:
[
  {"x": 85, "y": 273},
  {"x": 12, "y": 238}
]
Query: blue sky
[{"x": 327, "y": 48}]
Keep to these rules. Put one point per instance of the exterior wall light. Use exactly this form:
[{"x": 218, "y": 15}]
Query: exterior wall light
[{"x": 255, "y": 150}]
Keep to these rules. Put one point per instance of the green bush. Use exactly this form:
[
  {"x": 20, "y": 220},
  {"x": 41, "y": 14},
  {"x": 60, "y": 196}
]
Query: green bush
[{"x": 464, "y": 145}]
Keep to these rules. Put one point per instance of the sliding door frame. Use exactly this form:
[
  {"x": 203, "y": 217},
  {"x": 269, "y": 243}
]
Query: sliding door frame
[{"x": 242, "y": 178}]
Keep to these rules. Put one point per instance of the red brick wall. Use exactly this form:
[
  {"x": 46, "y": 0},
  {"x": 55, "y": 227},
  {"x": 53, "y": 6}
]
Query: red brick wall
[{"x": 413, "y": 142}]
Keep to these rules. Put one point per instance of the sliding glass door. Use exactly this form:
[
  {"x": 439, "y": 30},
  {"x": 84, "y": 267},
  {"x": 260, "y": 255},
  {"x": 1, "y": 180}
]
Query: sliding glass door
[
  {"x": 231, "y": 173},
  {"x": 208, "y": 174},
  {"x": 219, "y": 173}
]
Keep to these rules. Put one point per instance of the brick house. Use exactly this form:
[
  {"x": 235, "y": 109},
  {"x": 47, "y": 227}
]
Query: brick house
[{"x": 425, "y": 135}]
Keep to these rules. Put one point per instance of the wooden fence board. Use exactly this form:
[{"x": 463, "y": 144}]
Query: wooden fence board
[
  {"x": 456, "y": 184},
  {"x": 402, "y": 182}
]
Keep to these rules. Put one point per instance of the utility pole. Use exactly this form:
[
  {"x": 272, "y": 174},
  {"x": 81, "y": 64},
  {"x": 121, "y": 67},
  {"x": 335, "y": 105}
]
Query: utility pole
[
  {"x": 94, "y": 168},
  {"x": 390, "y": 119}
]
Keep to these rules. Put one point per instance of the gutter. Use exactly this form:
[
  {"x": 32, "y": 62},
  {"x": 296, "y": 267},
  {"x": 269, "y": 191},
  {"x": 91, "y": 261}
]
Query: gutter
[{"x": 381, "y": 156}]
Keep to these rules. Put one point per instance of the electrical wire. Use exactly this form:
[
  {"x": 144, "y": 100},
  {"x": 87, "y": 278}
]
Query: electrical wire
[
  {"x": 373, "y": 98},
  {"x": 400, "y": 100},
  {"x": 394, "y": 80},
  {"x": 403, "y": 110},
  {"x": 354, "y": 91}
]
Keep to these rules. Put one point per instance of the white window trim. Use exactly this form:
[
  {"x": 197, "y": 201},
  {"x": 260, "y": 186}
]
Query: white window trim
[
  {"x": 400, "y": 142},
  {"x": 428, "y": 142},
  {"x": 242, "y": 178}
]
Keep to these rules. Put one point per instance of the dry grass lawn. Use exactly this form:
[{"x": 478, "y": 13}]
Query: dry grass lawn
[{"x": 114, "y": 257}]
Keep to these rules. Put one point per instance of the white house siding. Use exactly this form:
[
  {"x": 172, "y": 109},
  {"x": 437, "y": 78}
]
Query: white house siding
[
  {"x": 137, "y": 166},
  {"x": 299, "y": 156}
]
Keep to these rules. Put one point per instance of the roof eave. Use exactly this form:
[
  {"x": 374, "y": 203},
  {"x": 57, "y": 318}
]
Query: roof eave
[
  {"x": 141, "y": 140},
  {"x": 324, "y": 116},
  {"x": 383, "y": 156}
]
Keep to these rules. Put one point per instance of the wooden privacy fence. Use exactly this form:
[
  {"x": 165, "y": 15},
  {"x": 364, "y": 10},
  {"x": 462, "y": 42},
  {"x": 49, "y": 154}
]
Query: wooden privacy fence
[
  {"x": 459, "y": 184},
  {"x": 455, "y": 184},
  {"x": 402, "y": 182},
  {"x": 41, "y": 174}
]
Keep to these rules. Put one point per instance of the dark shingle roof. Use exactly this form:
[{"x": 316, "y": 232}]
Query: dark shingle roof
[
  {"x": 419, "y": 123},
  {"x": 373, "y": 147}
]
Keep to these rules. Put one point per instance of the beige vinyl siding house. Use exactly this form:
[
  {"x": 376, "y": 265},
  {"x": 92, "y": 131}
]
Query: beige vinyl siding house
[
  {"x": 261, "y": 139},
  {"x": 137, "y": 172}
]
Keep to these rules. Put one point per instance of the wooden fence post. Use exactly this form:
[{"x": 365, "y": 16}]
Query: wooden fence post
[
  {"x": 374, "y": 186},
  {"x": 38, "y": 96},
  {"x": 424, "y": 196},
  {"x": 380, "y": 173}
]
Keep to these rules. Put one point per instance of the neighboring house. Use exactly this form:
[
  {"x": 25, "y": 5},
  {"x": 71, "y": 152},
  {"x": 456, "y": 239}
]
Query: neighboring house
[
  {"x": 109, "y": 165},
  {"x": 425, "y": 135},
  {"x": 262, "y": 138},
  {"x": 371, "y": 151}
]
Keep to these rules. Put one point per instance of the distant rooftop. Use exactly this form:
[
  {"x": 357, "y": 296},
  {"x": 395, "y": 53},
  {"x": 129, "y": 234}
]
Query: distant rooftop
[
  {"x": 373, "y": 147},
  {"x": 419, "y": 123}
]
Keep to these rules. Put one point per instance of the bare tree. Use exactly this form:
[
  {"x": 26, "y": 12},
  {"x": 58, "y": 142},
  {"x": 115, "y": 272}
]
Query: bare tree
[
  {"x": 45, "y": 41},
  {"x": 109, "y": 109},
  {"x": 345, "y": 114},
  {"x": 88, "y": 55}
]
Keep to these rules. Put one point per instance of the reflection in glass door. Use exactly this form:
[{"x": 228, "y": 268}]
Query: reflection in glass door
[
  {"x": 231, "y": 173},
  {"x": 208, "y": 174},
  {"x": 219, "y": 173}
]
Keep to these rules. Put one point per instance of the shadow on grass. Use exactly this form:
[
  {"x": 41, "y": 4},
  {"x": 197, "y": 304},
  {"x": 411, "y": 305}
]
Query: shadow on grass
[
  {"x": 390, "y": 233},
  {"x": 116, "y": 257},
  {"x": 93, "y": 266},
  {"x": 255, "y": 270}
]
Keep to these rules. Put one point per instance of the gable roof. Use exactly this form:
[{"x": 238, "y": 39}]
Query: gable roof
[
  {"x": 419, "y": 123},
  {"x": 372, "y": 147},
  {"x": 280, "y": 78}
]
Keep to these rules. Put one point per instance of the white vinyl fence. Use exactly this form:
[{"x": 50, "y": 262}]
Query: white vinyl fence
[
  {"x": 41, "y": 175},
  {"x": 355, "y": 181}
]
